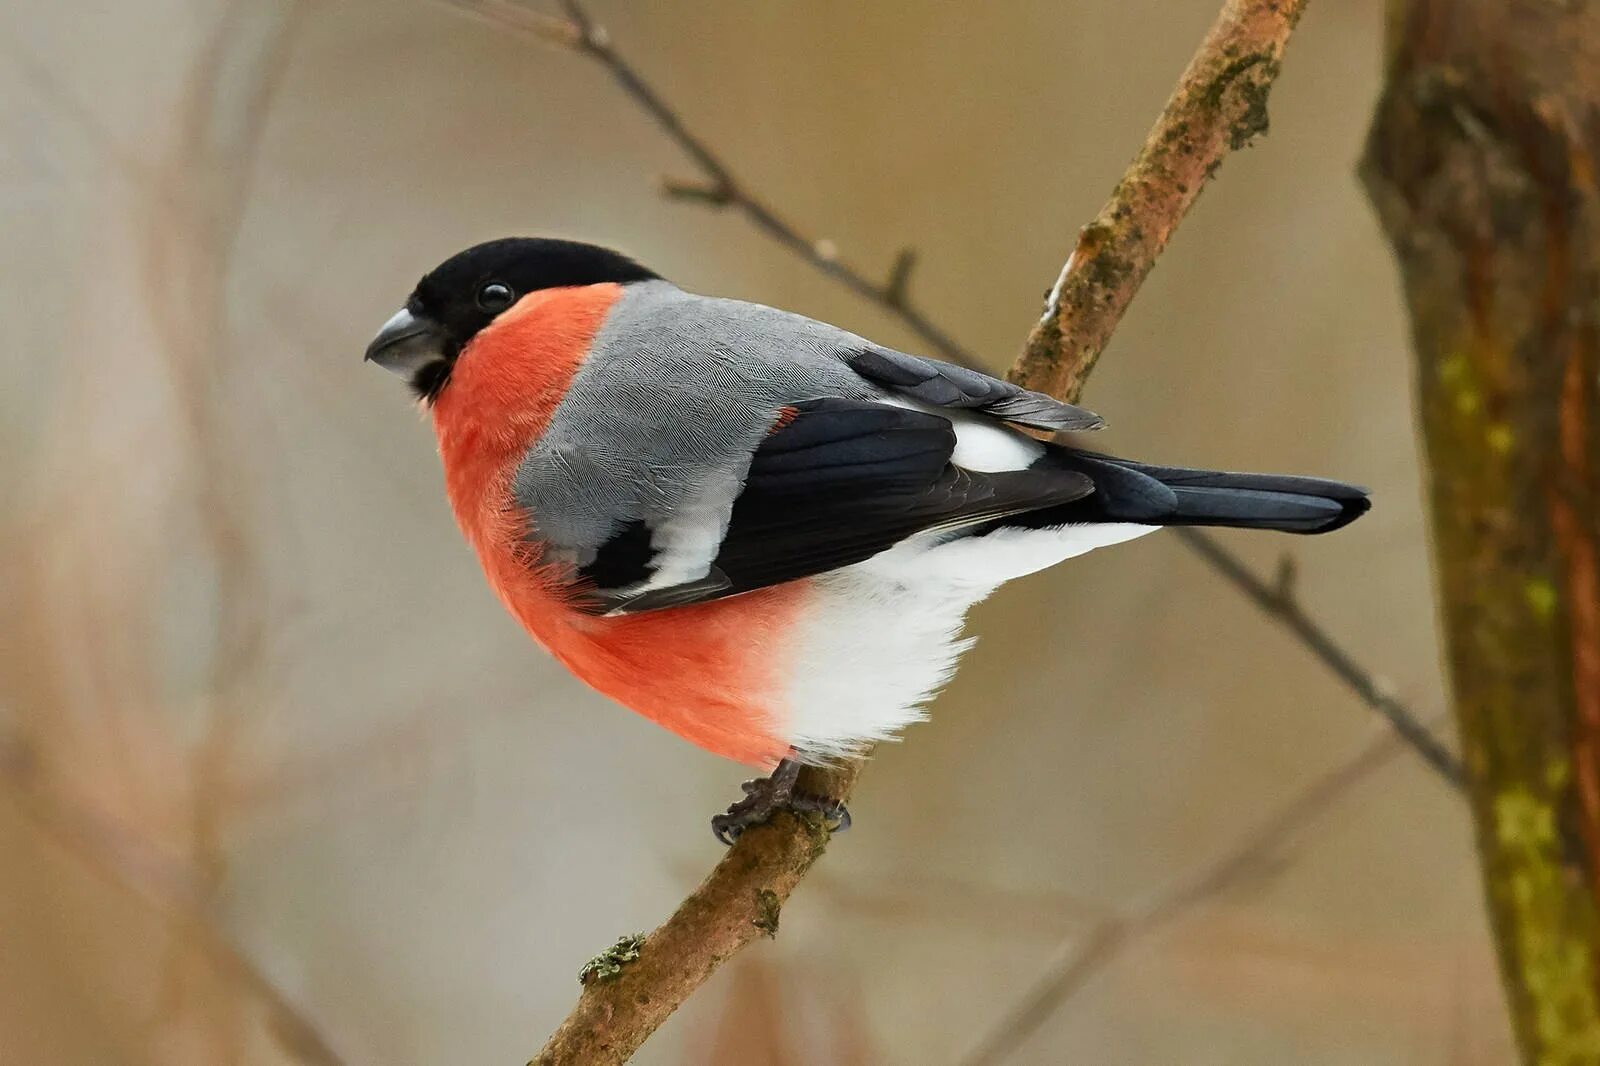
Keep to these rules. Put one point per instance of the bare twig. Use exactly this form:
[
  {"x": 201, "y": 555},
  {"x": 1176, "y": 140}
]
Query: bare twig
[
  {"x": 1278, "y": 601},
  {"x": 1227, "y": 79},
  {"x": 718, "y": 186},
  {"x": 1230, "y": 74},
  {"x": 1086, "y": 956},
  {"x": 1218, "y": 106}
]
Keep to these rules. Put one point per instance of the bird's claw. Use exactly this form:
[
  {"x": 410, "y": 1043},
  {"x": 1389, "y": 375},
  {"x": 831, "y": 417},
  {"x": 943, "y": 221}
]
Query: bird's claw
[
  {"x": 745, "y": 814},
  {"x": 726, "y": 829},
  {"x": 839, "y": 820},
  {"x": 765, "y": 796},
  {"x": 835, "y": 815},
  {"x": 761, "y": 799}
]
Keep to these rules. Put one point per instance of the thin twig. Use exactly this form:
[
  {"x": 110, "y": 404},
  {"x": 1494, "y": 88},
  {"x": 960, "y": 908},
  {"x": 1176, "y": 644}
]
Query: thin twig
[
  {"x": 1086, "y": 956},
  {"x": 1279, "y": 602},
  {"x": 1218, "y": 105},
  {"x": 1081, "y": 310},
  {"x": 718, "y": 187}
]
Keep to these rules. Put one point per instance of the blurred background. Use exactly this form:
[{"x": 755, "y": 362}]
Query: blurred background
[{"x": 281, "y": 783}]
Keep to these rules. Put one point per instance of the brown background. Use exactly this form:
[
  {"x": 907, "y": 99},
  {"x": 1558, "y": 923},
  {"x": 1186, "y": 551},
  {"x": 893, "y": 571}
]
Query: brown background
[{"x": 265, "y": 728}]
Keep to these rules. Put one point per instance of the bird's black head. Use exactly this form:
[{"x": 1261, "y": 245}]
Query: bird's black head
[{"x": 466, "y": 292}]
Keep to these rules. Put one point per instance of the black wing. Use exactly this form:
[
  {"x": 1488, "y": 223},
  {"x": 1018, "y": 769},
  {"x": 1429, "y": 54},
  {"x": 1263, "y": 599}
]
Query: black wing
[
  {"x": 943, "y": 385},
  {"x": 839, "y": 482}
]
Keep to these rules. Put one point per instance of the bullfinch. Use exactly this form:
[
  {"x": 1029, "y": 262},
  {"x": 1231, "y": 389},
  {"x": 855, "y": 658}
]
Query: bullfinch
[{"x": 753, "y": 528}]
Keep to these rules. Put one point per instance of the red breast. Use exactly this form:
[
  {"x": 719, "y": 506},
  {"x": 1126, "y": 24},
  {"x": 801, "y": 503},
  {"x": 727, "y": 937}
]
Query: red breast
[{"x": 713, "y": 673}]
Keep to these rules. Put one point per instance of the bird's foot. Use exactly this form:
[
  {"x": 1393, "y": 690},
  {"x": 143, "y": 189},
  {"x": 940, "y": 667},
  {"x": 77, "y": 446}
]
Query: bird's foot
[
  {"x": 765, "y": 796},
  {"x": 835, "y": 815}
]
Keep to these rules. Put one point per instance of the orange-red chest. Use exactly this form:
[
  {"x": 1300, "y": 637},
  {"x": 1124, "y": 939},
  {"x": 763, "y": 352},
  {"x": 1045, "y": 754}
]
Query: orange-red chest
[{"x": 714, "y": 673}]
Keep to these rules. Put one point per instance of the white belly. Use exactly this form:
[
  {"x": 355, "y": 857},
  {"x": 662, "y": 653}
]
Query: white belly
[{"x": 884, "y": 636}]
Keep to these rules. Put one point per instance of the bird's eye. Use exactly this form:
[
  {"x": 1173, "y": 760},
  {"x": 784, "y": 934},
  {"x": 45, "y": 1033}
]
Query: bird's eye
[{"x": 495, "y": 297}]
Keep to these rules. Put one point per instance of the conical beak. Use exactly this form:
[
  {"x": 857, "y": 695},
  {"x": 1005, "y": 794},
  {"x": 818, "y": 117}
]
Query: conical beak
[{"x": 406, "y": 344}]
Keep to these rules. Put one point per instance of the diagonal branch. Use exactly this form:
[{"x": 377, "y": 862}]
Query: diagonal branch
[
  {"x": 1220, "y": 103},
  {"x": 717, "y": 185},
  {"x": 1278, "y": 601},
  {"x": 1089, "y": 955}
]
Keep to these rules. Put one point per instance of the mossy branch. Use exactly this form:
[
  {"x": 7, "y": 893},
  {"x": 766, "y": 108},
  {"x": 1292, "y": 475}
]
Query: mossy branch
[
  {"x": 630, "y": 992},
  {"x": 1219, "y": 106}
]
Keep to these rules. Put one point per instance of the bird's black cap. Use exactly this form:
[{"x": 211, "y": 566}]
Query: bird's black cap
[{"x": 466, "y": 292}]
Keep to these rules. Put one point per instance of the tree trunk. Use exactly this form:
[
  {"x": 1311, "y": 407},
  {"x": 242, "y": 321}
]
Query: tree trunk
[{"x": 1482, "y": 162}]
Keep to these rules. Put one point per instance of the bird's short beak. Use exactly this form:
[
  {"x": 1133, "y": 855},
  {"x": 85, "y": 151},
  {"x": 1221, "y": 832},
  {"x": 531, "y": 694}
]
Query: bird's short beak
[{"x": 406, "y": 344}]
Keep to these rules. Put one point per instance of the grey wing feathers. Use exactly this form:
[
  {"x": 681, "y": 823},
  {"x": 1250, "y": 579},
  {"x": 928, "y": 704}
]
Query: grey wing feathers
[{"x": 943, "y": 385}]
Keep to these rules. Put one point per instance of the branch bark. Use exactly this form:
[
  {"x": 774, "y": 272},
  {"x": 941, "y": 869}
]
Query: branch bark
[
  {"x": 1482, "y": 163},
  {"x": 738, "y": 901},
  {"x": 1218, "y": 106}
]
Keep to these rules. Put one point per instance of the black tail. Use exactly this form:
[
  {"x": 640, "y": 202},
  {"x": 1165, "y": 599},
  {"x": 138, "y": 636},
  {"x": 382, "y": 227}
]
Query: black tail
[{"x": 1126, "y": 491}]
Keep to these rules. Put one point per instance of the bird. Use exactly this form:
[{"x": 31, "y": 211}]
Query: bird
[{"x": 758, "y": 530}]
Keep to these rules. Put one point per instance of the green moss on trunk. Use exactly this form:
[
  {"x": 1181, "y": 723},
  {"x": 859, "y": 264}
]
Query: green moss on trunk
[{"x": 1483, "y": 170}]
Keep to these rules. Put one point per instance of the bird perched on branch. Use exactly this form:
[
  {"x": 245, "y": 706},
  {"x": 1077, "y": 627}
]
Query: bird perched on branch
[{"x": 753, "y": 528}]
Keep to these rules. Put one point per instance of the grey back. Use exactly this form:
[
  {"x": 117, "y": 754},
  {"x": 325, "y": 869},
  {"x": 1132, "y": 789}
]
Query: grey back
[{"x": 662, "y": 419}]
